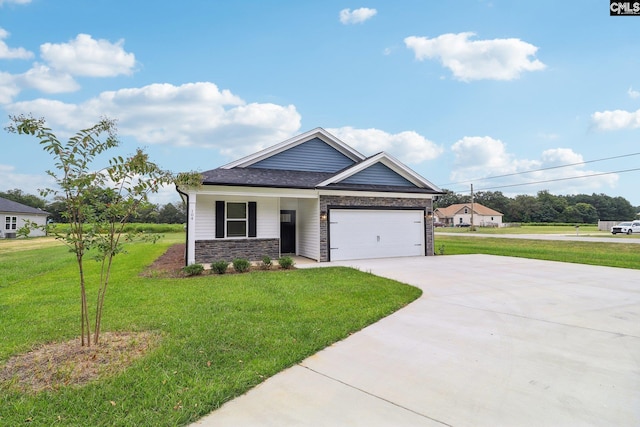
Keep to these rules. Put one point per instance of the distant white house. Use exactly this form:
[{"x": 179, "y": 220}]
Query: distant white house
[
  {"x": 460, "y": 214},
  {"x": 13, "y": 216}
]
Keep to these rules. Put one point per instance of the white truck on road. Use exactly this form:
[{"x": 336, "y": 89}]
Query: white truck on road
[{"x": 626, "y": 227}]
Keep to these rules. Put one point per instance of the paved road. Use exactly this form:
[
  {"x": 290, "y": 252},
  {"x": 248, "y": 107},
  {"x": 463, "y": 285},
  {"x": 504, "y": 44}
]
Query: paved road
[
  {"x": 493, "y": 341},
  {"x": 563, "y": 237}
]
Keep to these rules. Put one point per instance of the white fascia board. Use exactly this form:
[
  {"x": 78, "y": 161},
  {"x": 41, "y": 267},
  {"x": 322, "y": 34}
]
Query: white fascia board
[
  {"x": 389, "y": 161},
  {"x": 375, "y": 194},
  {"x": 292, "y": 142},
  {"x": 228, "y": 190}
]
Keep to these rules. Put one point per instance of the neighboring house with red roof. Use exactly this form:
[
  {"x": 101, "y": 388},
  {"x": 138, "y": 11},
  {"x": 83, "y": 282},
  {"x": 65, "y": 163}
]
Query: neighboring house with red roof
[
  {"x": 13, "y": 216},
  {"x": 312, "y": 196},
  {"x": 460, "y": 214}
]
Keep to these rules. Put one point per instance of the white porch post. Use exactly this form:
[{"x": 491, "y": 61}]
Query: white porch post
[{"x": 191, "y": 229}]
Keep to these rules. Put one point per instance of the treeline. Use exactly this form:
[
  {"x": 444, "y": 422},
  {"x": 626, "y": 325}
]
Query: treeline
[
  {"x": 171, "y": 213},
  {"x": 546, "y": 207},
  {"x": 543, "y": 207}
]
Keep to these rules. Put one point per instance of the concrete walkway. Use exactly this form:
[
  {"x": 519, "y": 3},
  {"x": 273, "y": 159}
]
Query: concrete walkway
[{"x": 493, "y": 341}]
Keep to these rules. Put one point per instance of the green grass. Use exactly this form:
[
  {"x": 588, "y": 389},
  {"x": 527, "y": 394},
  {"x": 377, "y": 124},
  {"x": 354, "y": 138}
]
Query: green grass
[
  {"x": 221, "y": 335},
  {"x": 584, "y": 229},
  {"x": 594, "y": 253}
]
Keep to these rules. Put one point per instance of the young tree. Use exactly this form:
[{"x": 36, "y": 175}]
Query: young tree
[{"x": 98, "y": 202}]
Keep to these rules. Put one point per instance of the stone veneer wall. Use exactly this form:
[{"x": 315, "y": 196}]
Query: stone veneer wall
[
  {"x": 207, "y": 251},
  {"x": 331, "y": 201}
]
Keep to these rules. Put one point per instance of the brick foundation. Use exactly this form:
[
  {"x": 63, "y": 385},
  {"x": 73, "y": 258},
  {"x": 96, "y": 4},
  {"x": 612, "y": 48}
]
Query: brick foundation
[{"x": 207, "y": 251}]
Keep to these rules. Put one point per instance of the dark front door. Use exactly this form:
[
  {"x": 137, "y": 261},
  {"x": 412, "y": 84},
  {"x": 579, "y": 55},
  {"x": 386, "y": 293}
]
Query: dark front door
[{"x": 288, "y": 232}]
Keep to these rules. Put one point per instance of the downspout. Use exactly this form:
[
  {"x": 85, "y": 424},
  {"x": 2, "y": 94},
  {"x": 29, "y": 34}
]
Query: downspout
[{"x": 186, "y": 245}]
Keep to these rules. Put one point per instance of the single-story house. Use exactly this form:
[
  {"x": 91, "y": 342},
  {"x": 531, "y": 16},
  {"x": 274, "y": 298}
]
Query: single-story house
[
  {"x": 312, "y": 196},
  {"x": 460, "y": 214},
  {"x": 14, "y": 216}
]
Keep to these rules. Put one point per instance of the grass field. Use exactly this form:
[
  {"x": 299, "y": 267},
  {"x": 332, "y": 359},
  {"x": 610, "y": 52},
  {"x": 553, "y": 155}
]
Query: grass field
[
  {"x": 219, "y": 335},
  {"x": 594, "y": 253}
]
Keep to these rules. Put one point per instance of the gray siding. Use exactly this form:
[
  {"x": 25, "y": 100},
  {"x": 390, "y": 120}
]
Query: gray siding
[
  {"x": 314, "y": 155},
  {"x": 378, "y": 174}
]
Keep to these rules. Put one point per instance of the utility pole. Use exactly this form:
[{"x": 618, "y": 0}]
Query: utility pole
[{"x": 472, "y": 206}]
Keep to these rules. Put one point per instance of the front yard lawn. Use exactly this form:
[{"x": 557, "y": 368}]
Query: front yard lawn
[{"x": 217, "y": 336}]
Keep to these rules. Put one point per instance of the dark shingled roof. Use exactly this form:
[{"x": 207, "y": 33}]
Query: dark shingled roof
[
  {"x": 257, "y": 177},
  {"x": 15, "y": 207}
]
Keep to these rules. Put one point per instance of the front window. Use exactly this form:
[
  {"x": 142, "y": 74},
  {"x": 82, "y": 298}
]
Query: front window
[
  {"x": 10, "y": 223},
  {"x": 236, "y": 219}
]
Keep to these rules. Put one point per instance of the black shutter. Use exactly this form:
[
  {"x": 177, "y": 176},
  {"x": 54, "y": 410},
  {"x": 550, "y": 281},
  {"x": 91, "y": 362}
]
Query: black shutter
[
  {"x": 219, "y": 219},
  {"x": 252, "y": 219}
]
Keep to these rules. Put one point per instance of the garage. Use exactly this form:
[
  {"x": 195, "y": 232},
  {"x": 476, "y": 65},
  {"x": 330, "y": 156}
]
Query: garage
[{"x": 375, "y": 233}]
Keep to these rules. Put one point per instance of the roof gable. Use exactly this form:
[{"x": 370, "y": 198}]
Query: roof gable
[
  {"x": 378, "y": 174},
  {"x": 314, "y": 155},
  {"x": 313, "y": 151},
  {"x": 318, "y": 160},
  {"x": 385, "y": 170}
]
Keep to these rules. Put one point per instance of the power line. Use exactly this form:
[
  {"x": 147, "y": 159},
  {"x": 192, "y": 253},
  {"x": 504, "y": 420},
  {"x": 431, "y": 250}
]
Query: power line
[
  {"x": 559, "y": 179},
  {"x": 544, "y": 169}
]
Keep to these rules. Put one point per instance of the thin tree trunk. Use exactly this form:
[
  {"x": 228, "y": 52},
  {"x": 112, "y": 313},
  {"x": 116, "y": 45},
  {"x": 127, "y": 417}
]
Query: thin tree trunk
[
  {"x": 104, "y": 279},
  {"x": 84, "y": 317},
  {"x": 100, "y": 304}
]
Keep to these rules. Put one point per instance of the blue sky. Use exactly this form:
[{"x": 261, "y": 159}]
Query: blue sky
[{"x": 460, "y": 91}]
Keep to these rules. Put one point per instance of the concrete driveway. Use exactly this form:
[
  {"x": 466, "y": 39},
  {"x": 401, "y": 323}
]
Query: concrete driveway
[{"x": 493, "y": 341}]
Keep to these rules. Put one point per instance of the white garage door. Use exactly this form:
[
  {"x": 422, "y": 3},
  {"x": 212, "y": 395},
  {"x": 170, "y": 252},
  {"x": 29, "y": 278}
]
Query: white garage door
[{"x": 369, "y": 233}]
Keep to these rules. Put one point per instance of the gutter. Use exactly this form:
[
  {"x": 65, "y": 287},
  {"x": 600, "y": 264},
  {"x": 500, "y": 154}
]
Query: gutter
[{"x": 186, "y": 246}]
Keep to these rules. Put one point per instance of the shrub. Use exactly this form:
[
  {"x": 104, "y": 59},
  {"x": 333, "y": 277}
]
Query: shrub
[
  {"x": 266, "y": 263},
  {"x": 219, "y": 267},
  {"x": 193, "y": 270},
  {"x": 286, "y": 262},
  {"x": 23, "y": 231},
  {"x": 241, "y": 265}
]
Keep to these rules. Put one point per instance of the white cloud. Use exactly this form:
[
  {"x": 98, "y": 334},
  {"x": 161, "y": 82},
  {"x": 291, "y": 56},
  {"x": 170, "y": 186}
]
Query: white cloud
[
  {"x": 616, "y": 120},
  {"x": 85, "y": 56},
  {"x": 30, "y": 184},
  {"x": 12, "y": 53},
  {"x": 45, "y": 79},
  {"x": 193, "y": 114},
  {"x": 407, "y": 146},
  {"x": 481, "y": 157},
  {"x": 82, "y": 56},
  {"x": 474, "y": 155},
  {"x": 497, "y": 59},
  {"x": 357, "y": 16},
  {"x": 8, "y": 87},
  {"x": 633, "y": 93}
]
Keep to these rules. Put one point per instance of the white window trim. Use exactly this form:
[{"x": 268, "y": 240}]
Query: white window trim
[
  {"x": 227, "y": 220},
  {"x": 11, "y": 223}
]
